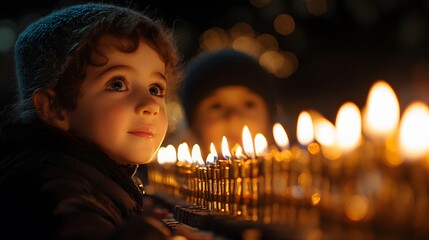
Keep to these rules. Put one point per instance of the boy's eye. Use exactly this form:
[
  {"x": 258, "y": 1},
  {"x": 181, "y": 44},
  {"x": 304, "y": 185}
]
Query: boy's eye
[
  {"x": 117, "y": 85},
  {"x": 157, "y": 90},
  {"x": 249, "y": 104},
  {"x": 215, "y": 106}
]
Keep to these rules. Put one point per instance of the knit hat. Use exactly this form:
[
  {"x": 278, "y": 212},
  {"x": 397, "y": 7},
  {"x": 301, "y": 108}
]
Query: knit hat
[
  {"x": 42, "y": 49},
  {"x": 226, "y": 67}
]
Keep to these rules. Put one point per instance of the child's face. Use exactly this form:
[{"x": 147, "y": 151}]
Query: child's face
[
  {"x": 122, "y": 108},
  {"x": 225, "y": 112}
]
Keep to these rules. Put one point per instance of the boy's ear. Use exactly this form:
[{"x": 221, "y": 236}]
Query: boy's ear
[{"x": 44, "y": 101}]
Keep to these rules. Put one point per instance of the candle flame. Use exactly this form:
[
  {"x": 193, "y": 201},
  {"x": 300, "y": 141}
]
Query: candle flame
[
  {"x": 183, "y": 153},
  {"x": 381, "y": 112},
  {"x": 247, "y": 142},
  {"x": 238, "y": 152},
  {"x": 414, "y": 131},
  {"x": 305, "y": 131},
  {"x": 225, "y": 149},
  {"x": 280, "y": 136},
  {"x": 161, "y": 155},
  {"x": 210, "y": 159},
  {"x": 196, "y": 155},
  {"x": 261, "y": 145},
  {"x": 171, "y": 154},
  {"x": 213, "y": 151},
  {"x": 324, "y": 132},
  {"x": 349, "y": 126}
]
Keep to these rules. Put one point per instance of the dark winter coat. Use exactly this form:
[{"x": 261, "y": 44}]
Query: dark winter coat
[{"x": 55, "y": 186}]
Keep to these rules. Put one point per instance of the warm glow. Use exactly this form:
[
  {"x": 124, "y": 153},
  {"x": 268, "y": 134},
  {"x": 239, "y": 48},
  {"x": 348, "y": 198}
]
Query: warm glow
[
  {"x": 284, "y": 24},
  {"x": 304, "y": 129},
  {"x": 280, "y": 136},
  {"x": 183, "y": 154},
  {"x": 214, "y": 38},
  {"x": 238, "y": 152},
  {"x": 414, "y": 131},
  {"x": 356, "y": 207},
  {"x": 261, "y": 145},
  {"x": 315, "y": 198},
  {"x": 317, "y": 7},
  {"x": 210, "y": 159},
  {"x": 324, "y": 132},
  {"x": 349, "y": 126},
  {"x": 171, "y": 154},
  {"x": 213, "y": 151},
  {"x": 247, "y": 142},
  {"x": 322, "y": 128},
  {"x": 381, "y": 113},
  {"x": 247, "y": 44},
  {"x": 225, "y": 149},
  {"x": 161, "y": 155},
  {"x": 196, "y": 155}
]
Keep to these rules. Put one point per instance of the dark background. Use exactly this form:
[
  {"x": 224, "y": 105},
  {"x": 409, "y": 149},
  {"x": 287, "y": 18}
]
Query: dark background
[{"x": 341, "y": 53}]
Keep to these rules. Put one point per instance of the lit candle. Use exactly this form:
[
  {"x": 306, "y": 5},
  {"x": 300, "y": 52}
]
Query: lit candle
[
  {"x": 211, "y": 160},
  {"x": 300, "y": 179},
  {"x": 183, "y": 168},
  {"x": 224, "y": 166},
  {"x": 316, "y": 163},
  {"x": 170, "y": 165},
  {"x": 345, "y": 191},
  {"x": 213, "y": 153},
  {"x": 159, "y": 177},
  {"x": 325, "y": 134},
  {"x": 414, "y": 132},
  {"x": 280, "y": 176},
  {"x": 225, "y": 149},
  {"x": 381, "y": 117},
  {"x": 261, "y": 174},
  {"x": 381, "y": 112},
  {"x": 349, "y": 138},
  {"x": 246, "y": 174},
  {"x": 378, "y": 158},
  {"x": 199, "y": 177},
  {"x": 280, "y": 136},
  {"x": 184, "y": 156},
  {"x": 234, "y": 177},
  {"x": 413, "y": 143},
  {"x": 238, "y": 152},
  {"x": 305, "y": 172}
]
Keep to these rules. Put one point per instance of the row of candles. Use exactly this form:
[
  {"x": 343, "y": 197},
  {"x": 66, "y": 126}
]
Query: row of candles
[{"x": 373, "y": 176}]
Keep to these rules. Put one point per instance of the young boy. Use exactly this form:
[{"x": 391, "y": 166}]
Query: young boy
[
  {"x": 222, "y": 92},
  {"x": 92, "y": 81}
]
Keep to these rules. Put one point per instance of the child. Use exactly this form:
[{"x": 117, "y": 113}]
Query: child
[
  {"x": 222, "y": 92},
  {"x": 92, "y": 81}
]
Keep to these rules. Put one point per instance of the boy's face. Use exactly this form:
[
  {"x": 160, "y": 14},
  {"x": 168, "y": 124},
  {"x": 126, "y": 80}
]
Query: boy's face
[
  {"x": 226, "y": 111},
  {"x": 122, "y": 107}
]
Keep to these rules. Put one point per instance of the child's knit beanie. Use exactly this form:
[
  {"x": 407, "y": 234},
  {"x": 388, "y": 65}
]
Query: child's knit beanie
[
  {"x": 225, "y": 67},
  {"x": 42, "y": 50}
]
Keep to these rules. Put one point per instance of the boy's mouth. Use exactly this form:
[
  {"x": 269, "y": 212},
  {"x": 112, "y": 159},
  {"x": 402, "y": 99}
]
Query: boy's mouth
[{"x": 146, "y": 132}]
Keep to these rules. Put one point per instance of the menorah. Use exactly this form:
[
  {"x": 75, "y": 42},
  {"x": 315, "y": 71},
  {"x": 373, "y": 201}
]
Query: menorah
[{"x": 366, "y": 176}]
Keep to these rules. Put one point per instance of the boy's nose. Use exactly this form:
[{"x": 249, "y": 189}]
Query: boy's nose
[
  {"x": 232, "y": 111},
  {"x": 147, "y": 106}
]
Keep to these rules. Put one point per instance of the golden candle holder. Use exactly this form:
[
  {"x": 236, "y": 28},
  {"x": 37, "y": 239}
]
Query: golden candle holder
[
  {"x": 224, "y": 186},
  {"x": 236, "y": 187},
  {"x": 365, "y": 188},
  {"x": 280, "y": 185},
  {"x": 212, "y": 186},
  {"x": 246, "y": 188}
]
